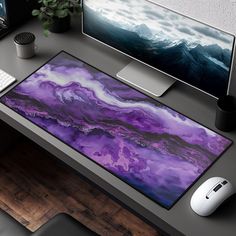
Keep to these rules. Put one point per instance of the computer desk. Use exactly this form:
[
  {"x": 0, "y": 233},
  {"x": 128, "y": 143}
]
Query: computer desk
[{"x": 180, "y": 220}]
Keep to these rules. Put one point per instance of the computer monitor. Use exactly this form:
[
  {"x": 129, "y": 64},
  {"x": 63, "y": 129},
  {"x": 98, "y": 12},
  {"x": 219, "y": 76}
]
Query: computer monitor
[
  {"x": 176, "y": 46},
  {"x": 3, "y": 19},
  {"x": 14, "y": 13},
  {"x": 2, "y": 9}
]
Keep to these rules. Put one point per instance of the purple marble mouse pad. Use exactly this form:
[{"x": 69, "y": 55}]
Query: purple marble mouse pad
[{"x": 150, "y": 146}]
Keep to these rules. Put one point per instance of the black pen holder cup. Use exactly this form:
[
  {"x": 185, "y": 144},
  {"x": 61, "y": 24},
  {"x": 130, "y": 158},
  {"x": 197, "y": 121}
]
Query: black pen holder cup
[{"x": 226, "y": 113}]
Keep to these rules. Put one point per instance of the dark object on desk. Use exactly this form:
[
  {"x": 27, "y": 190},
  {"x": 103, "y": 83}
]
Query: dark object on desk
[
  {"x": 60, "y": 225},
  {"x": 226, "y": 113},
  {"x": 19, "y": 11},
  {"x": 60, "y": 25},
  {"x": 13, "y": 13},
  {"x": 3, "y": 32},
  {"x": 3, "y": 22},
  {"x": 64, "y": 225},
  {"x": 25, "y": 46},
  {"x": 3, "y": 28}
]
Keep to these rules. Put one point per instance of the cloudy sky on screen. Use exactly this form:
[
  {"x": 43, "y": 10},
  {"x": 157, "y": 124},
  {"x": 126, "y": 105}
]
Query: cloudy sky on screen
[{"x": 163, "y": 22}]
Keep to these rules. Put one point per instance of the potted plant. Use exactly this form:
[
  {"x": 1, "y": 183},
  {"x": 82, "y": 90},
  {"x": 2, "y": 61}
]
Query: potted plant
[{"x": 55, "y": 15}]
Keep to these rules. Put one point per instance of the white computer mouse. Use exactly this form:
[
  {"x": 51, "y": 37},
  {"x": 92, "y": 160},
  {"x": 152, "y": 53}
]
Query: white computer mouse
[{"x": 210, "y": 195}]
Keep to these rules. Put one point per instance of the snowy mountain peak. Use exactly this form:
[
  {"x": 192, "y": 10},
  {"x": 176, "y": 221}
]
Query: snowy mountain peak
[{"x": 143, "y": 31}]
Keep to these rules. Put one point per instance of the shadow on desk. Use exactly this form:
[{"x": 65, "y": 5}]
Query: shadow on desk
[
  {"x": 8, "y": 137},
  {"x": 226, "y": 210}
]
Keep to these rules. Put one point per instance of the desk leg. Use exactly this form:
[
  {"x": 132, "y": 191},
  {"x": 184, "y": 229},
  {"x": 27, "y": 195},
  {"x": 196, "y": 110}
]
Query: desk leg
[{"x": 8, "y": 137}]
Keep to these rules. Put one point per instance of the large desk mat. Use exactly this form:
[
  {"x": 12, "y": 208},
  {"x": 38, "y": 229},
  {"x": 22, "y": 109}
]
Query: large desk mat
[{"x": 150, "y": 146}]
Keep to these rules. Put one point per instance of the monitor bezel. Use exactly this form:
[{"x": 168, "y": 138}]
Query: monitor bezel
[{"x": 163, "y": 72}]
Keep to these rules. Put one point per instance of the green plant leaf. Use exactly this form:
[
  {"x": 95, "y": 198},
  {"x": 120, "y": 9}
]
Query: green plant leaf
[
  {"x": 46, "y": 32},
  {"x": 61, "y": 13},
  {"x": 53, "y": 5},
  {"x": 55, "y": 8},
  {"x": 46, "y": 25},
  {"x": 46, "y": 3},
  {"x": 50, "y": 13},
  {"x": 35, "y": 12},
  {"x": 41, "y": 16}
]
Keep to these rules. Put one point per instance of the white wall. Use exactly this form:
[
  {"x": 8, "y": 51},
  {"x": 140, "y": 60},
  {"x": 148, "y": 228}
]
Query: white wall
[{"x": 219, "y": 13}]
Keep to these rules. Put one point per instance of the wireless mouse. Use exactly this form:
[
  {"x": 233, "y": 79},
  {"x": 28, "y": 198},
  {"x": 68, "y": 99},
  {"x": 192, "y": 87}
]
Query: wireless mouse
[{"x": 210, "y": 195}]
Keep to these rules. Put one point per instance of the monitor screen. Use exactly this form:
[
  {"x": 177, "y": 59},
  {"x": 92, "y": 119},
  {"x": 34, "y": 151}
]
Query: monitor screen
[
  {"x": 190, "y": 51},
  {"x": 2, "y": 9},
  {"x": 146, "y": 144}
]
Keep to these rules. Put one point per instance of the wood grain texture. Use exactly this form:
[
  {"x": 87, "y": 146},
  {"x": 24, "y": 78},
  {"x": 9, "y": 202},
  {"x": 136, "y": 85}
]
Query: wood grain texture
[{"x": 35, "y": 186}]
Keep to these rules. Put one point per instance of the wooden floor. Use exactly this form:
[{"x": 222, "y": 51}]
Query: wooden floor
[{"x": 34, "y": 186}]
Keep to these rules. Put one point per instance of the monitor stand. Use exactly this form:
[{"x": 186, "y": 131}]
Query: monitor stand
[{"x": 145, "y": 79}]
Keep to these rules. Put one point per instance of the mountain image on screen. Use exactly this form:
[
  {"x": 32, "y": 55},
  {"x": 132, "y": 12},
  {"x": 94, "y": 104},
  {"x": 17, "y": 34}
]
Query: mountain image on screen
[{"x": 181, "y": 47}]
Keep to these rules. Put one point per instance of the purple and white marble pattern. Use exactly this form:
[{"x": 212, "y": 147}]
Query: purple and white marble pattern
[{"x": 151, "y": 147}]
